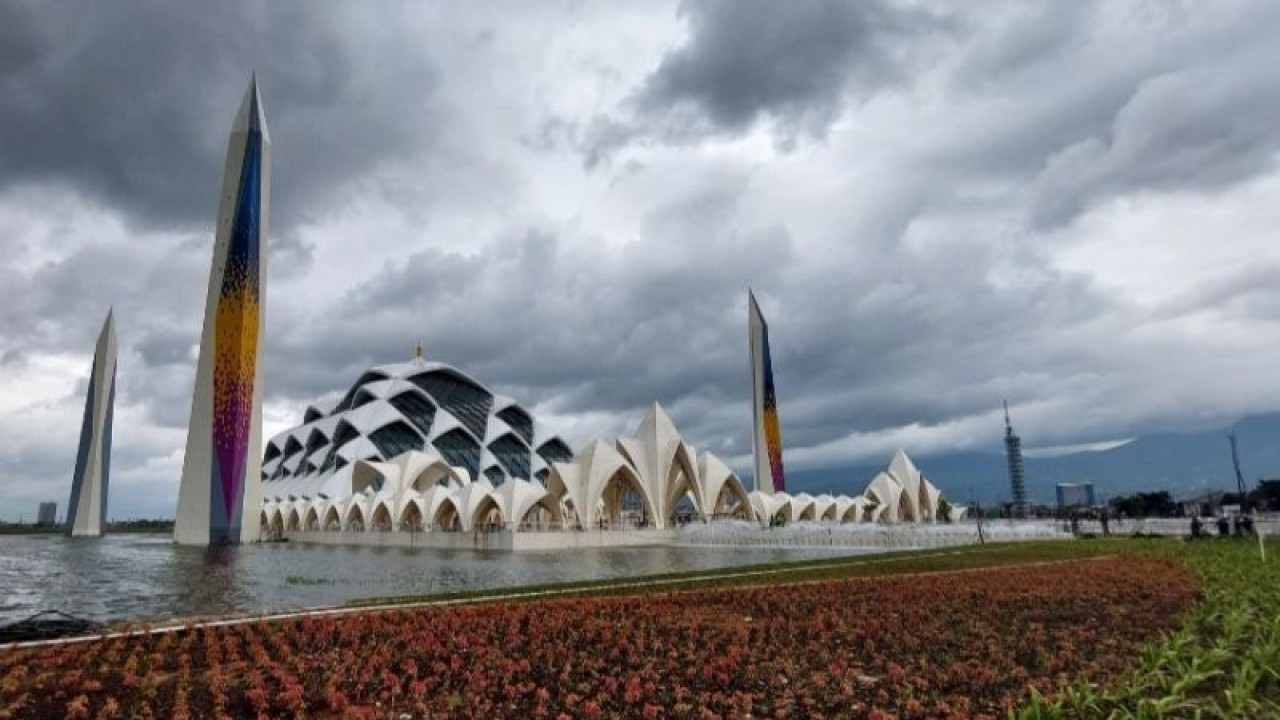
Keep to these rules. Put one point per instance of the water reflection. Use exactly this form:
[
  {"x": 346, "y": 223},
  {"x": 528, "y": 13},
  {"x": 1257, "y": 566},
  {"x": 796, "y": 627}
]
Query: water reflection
[{"x": 146, "y": 576}]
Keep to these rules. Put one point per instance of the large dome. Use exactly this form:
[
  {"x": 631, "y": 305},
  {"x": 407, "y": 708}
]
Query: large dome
[{"x": 416, "y": 405}]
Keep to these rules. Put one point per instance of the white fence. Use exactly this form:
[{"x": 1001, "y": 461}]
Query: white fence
[{"x": 737, "y": 533}]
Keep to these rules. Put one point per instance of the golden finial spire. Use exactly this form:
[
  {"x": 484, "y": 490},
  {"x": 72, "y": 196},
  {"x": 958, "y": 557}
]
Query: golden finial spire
[{"x": 417, "y": 352}]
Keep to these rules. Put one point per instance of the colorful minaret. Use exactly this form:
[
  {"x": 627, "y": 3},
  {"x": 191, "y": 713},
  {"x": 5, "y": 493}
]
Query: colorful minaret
[
  {"x": 220, "y": 495},
  {"x": 766, "y": 442},
  {"x": 87, "y": 509},
  {"x": 1013, "y": 453}
]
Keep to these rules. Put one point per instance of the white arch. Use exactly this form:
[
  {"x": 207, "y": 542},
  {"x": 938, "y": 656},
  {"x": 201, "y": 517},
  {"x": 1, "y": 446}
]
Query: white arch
[
  {"x": 766, "y": 506},
  {"x": 887, "y": 494},
  {"x": 516, "y": 497},
  {"x": 381, "y": 515},
  {"x": 719, "y": 481},
  {"x": 412, "y": 516},
  {"x": 824, "y": 507},
  {"x": 802, "y": 507},
  {"x": 469, "y": 500},
  {"x": 356, "y": 507}
]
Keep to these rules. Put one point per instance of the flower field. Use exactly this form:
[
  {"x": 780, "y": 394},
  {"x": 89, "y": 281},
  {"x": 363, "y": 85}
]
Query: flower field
[{"x": 946, "y": 645}]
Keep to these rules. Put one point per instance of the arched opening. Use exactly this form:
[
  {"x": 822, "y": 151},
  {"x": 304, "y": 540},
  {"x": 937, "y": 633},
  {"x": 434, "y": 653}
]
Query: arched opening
[
  {"x": 264, "y": 525},
  {"x": 294, "y": 523},
  {"x": 569, "y": 514},
  {"x": 906, "y": 512},
  {"x": 355, "y": 518},
  {"x": 277, "y": 524},
  {"x": 683, "y": 511},
  {"x": 312, "y": 521},
  {"x": 683, "y": 501},
  {"x": 411, "y": 518},
  {"x": 431, "y": 476},
  {"x": 332, "y": 519},
  {"x": 731, "y": 502},
  {"x": 488, "y": 517},
  {"x": 447, "y": 518},
  {"x": 366, "y": 477},
  {"x": 829, "y": 513},
  {"x": 381, "y": 520},
  {"x": 544, "y": 515},
  {"x": 625, "y": 506}
]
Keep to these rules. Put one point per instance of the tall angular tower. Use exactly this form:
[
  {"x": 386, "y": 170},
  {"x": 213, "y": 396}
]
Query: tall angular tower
[
  {"x": 1013, "y": 453},
  {"x": 766, "y": 442},
  {"x": 220, "y": 495},
  {"x": 87, "y": 509}
]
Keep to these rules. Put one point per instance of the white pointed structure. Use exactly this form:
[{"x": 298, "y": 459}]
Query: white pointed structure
[
  {"x": 219, "y": 498},
  {"x": 766, "y": 440},
  {"x": 903, "y": 493},
  {"x": 87, "y": 509},
  {"x": 644, "y": 480}
]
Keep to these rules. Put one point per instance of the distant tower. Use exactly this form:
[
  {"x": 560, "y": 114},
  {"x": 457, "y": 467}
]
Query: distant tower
[
  {"x": 1013, "y": 453},
  {"x": 1235, "y": 463},
  {"x": 87, "y": 509},
  {"x": 766, "y": 442},
  {"x": 220, "y": 497}
]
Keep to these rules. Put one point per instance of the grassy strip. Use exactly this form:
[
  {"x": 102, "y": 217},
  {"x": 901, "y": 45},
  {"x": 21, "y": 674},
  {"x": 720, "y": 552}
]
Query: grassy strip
[
  {"x": 896, "y": 563},
  {"x": 1224, "y": 662}
]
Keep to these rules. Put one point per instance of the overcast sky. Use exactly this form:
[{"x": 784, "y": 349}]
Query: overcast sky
[{"x": 1073, "y": 205}]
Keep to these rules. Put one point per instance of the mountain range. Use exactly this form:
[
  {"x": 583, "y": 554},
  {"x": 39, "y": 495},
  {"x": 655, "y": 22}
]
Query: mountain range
[{"x": 1185, "y": 464}]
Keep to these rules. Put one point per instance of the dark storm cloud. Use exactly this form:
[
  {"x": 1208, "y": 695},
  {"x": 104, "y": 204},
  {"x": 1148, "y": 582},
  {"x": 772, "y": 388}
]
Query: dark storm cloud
[
  {"x": 131, "y": 102},
  {"x": 544, "y": 319},
  {"x": 794, "y": 64},
  {"x": 792, "y": 61}
]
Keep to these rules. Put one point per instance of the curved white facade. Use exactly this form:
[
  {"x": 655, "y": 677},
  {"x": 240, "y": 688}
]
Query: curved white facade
[
  {"x": 419, "y": 406},
  {"x": 652, "y": 479}
]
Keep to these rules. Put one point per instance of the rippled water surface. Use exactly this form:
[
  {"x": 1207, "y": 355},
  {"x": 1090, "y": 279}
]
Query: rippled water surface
[{"x": 126, "y": 577}]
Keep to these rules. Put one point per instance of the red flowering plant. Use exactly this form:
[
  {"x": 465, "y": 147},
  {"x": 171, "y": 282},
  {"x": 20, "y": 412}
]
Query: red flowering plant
[{"x": 944, "y": 645}]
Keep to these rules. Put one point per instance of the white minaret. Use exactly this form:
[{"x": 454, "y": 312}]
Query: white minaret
[
  {"x": 220, "y": 496},
  {"x": 766, "y": 438},
  {"x": 87, "y": 509}
]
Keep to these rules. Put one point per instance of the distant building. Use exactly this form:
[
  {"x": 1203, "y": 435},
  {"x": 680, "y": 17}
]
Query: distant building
[
  {"x": 1075, "y": 494},
  {"x": 1204, "y": 505},
  {"x": 1013, "y": 453},
  {"x": 48, "y": 514}
]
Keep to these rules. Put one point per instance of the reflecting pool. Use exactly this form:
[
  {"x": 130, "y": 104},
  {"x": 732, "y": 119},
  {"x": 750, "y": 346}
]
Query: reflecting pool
[{"x": 133, "y": 577}]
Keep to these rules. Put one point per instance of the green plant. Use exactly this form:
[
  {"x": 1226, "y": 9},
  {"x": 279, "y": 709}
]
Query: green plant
[{"x": 1224, "y": 662}]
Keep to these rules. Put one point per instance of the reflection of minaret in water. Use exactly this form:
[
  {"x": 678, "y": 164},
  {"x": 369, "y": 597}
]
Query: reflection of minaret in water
[{"x": 1013, "y": 453}]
